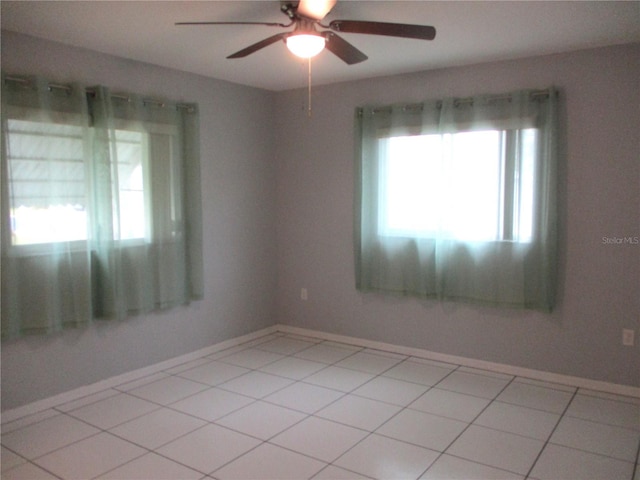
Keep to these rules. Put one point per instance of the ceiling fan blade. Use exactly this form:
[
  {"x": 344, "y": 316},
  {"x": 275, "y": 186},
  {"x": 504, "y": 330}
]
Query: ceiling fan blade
[
  {"x": 343, "y": 49},
  {"x": 420, "y": 32},
  {"x": 268, "y": 24},
  {"x": 316, "y": 9},
  {"x": 257, "y": 46}
]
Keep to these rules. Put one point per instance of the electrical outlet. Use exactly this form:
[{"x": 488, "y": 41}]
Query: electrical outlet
[
  {"x": 304, "y": 295},
  {"x": 628, "y": 337}
]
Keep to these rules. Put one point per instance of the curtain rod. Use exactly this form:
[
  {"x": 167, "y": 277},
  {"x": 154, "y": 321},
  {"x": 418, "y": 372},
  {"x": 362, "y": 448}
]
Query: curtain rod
[
  {"x": 92, "y": 92},
  {"x": 461, "y": 101}
]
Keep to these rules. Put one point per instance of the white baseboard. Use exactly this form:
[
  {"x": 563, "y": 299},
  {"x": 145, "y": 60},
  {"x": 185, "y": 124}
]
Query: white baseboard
[
  {"x": 77, "y": 393},
  {"x": 544, "y": 376},
  {"x": 51, "y": 402}
]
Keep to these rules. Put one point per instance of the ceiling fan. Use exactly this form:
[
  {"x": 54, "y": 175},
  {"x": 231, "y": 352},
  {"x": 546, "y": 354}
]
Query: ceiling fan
[{"x": 306, "y": 41}]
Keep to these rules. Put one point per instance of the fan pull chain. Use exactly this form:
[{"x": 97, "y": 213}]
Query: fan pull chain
[{"x": 309, "y": 91}]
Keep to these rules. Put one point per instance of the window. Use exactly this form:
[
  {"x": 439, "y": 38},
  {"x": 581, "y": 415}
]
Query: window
[
  {"x": 35, "y": 178},
  {"x": 49, "y": 198},
  {"x": 132, "y": 148},
  {"x": 101, "y": 209},
  {"x": 456, "y": 199},
  {"x": 474, "y": 192}
]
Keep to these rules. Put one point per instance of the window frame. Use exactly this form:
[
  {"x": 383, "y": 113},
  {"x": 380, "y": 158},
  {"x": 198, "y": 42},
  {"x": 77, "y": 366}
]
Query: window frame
[
  {"x": 510, "y": 169},
  {"x": 500, "y": 273},
  {"x": 147, "y": 129}
]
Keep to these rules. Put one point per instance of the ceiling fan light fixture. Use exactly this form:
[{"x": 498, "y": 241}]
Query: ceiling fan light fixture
[{"x": 305, "y": 45}]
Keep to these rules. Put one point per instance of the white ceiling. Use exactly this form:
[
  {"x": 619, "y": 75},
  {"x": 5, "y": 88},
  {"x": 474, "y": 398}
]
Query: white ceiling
[{"x": 467, "y": 32}]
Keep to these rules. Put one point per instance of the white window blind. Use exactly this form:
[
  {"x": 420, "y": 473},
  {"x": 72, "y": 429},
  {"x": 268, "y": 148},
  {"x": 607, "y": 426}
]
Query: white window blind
[{"x": 49, "y": 191}]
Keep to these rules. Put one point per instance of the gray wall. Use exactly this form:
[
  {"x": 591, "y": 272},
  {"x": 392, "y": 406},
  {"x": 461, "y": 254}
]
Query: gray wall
[
  {"x": 278, "y": 216},
  {"x": 599, "y": 197},
  {"x": 238, "y": 180}
]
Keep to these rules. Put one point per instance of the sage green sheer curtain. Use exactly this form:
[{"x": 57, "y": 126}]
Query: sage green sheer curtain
[
  {"x": 101, "y": 210},
  {"x": 460, "y": 252}
]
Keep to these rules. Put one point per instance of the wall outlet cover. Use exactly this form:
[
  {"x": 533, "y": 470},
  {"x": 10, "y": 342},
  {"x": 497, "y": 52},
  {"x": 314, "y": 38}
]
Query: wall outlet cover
[{"x": 628, "y": 337}]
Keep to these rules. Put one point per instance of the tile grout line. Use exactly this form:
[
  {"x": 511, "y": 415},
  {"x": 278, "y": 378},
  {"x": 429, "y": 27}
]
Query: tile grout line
[
  {"x": 93, "y": 435},
  {"x": 214, "y": 422},
  {"x": 344, "y": 394},
  {"x": 255, "y": 344},
  {"x": 469, "y": 424},
  {"x": 392, "y": 417},
  {"x": 160, "y": 406},
  {"x": 342, "y": 468},
  {"x": 547, "y": 441},
  {"x": 28, "y": 461},
  {"x": 372, "y": 432},
  {"x": 218, "y": 386},
  {"x": 307, "y": 415},
  {"x": 155, "y": 451},
  {"x": 634, "y": 473},
  {"x": 102, "y": 430}
]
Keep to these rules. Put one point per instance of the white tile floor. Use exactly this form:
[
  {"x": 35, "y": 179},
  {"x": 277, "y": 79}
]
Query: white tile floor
[{"x": 286, "y": 407}]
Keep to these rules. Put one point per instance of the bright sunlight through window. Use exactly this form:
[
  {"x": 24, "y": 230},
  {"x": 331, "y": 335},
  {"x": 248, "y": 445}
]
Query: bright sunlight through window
[
  {"x": 461, "y": 186},
  {"x": 49, "y": 199}
]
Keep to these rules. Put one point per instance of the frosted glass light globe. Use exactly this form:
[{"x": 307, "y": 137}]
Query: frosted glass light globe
[{"x": 305, "y": 45}]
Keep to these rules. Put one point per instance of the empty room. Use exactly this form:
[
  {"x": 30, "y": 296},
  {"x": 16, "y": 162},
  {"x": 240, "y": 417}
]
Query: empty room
[{"x": 320, "y": 240}]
